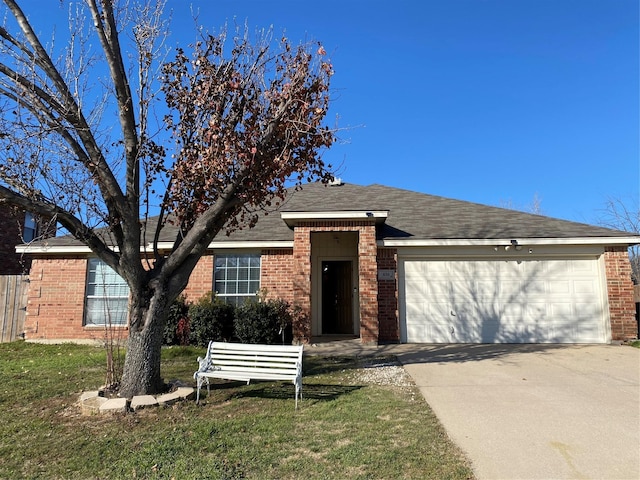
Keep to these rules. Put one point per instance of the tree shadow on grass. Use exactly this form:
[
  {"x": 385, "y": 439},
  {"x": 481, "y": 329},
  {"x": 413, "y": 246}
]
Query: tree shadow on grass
[{"x": 286, "y": 391}]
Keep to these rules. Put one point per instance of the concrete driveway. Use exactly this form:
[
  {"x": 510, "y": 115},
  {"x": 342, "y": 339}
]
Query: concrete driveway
[{"x": 536, "y": 411}]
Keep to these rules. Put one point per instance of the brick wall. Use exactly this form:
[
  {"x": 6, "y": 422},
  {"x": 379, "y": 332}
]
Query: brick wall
[
  {"x": 367, "y": 275},
  {"x": 302, "y": 283},
  {"x": 55, "y": 306},
  {"x": 276, "y": 273},
  {"x": 622, "y": 309},
  {"x": 201, "y": 279},
  {"x": 388, "y": 297},
  {"x": 368, "y": 284}
]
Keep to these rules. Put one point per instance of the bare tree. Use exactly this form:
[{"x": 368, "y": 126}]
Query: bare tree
[
  {"x": 245, "y": 119},
  {"x": 624, "y": 215},
  {"x": 535, "y": 207}
]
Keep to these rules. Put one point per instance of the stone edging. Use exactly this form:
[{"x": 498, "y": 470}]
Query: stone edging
[{"x": 92, "y": 403}]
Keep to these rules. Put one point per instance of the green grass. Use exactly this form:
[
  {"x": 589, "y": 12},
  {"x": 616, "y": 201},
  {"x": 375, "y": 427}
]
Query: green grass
[
  {"x": 343, "y": 428},
  {"x": 635, "y": 343}
]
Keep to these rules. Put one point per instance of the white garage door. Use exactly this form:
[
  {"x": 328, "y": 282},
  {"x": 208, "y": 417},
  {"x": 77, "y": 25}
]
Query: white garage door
[{"x": 515, "y": 301}]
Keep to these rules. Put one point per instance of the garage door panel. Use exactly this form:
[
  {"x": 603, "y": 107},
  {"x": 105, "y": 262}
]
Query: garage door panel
[
  {"x": 534, "y": 287},
  {"x": 485, "y": 289},
  {"x": 584, "y": 286},
  {"x": 537, "y": 300},
  {"x": 438, "y": 332}
]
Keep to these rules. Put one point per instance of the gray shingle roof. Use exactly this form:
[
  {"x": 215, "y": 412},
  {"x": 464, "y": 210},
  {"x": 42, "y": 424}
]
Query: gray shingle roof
[
  {"x": 419, "y": 216},
  {"x": 411, "y": 215}
]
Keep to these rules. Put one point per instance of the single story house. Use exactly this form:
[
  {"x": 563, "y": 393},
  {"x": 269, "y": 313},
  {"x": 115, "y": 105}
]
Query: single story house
[{"x": 382, "y": 264}]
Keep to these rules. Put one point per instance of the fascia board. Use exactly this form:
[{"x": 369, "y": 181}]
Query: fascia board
[
  {"x": 58, "y": 249},
  {"x": 292, "y": 218},
  {"x": 630, "y": 240},
  {"x": 83, "y": 249},
  {"x": 236, "y": 245}
]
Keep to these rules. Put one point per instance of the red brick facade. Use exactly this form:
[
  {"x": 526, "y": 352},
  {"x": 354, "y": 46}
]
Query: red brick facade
[
  {"x": 55, "y": 308},
  {"x": 388, "y": 318},
  {"x": 622, "y": 309},
  {"x": 57, "y": 288},
  {"x": 367, "y": 275},
  {"x": 276, "y": 273},
  {"x": 201, "y": 280}
]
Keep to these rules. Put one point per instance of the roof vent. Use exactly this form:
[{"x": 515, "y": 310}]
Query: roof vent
[{"x": 336, "y": 182}]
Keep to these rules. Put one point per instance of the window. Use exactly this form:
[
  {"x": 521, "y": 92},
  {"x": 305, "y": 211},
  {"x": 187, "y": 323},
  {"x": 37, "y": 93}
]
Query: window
[
  {"x": 237, "y": 277},
  {"x": 107, "y": 296},
  {"x": 30, "y": 228}
]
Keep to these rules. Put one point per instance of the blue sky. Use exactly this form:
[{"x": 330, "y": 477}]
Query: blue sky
[{"x": 489, "y": 101}]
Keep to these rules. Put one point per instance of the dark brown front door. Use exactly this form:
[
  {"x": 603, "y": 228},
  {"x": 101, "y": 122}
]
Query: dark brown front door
[{"x": 337, "y": 300}]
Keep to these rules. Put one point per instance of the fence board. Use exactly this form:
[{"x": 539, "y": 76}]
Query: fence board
[{"x": 13, "y": 302}]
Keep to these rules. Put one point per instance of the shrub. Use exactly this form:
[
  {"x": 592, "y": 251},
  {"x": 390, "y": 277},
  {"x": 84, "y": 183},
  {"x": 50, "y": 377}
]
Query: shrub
[
  {"x": 263, "y": 322},
  {"x": 178, "y": 311},
  {"x": 210, "y": 319}
]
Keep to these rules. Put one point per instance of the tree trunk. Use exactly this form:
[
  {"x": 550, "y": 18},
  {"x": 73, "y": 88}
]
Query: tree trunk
[{"x": 141, "y": 374}]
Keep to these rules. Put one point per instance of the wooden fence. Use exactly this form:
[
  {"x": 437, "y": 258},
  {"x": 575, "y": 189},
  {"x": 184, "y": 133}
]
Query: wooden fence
[{"x": 13, "y": 303}]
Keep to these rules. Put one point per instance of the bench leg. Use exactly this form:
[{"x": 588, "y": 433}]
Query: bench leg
[
  {"x": 199, "y": 383},
  {"x": 298, "y": 392}
]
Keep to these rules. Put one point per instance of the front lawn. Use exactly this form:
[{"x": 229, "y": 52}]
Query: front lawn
[{"x": 347, "y": 426}]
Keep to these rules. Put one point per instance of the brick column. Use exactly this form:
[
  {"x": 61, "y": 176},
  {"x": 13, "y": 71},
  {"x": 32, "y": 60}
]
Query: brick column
[
  {"x": 302, "y": 284},
  {"x": 388, "y": 297},
  {"x": 368, "y": 284},
  {"x": 622, "y": 309}
]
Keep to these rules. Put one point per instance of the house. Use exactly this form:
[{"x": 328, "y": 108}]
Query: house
[
  {"x": 16, "y": 226},
  {"x": 382, "y": 264},
  {"x": 20, "y": 226}
]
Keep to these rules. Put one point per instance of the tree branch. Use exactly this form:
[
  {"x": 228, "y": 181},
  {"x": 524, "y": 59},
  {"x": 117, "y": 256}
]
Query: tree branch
[{"x": 67, "y": 220}]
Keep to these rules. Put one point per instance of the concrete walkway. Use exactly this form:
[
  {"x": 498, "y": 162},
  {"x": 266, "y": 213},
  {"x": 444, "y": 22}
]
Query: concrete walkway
[{"x": 529, "y": 411}]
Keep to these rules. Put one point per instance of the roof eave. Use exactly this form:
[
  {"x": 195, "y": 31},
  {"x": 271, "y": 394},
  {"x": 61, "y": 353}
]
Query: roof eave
[
  {"x": 454, "y": 242},
  {"x": 294, "y": 218}
]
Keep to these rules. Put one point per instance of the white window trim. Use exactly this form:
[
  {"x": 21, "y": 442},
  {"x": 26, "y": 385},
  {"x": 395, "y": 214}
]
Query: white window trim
[
  {"x": 226, "y": 296},
  {"x": 119, "y": 298}
]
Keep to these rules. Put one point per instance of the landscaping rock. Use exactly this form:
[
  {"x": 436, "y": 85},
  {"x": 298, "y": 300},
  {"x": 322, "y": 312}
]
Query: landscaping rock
[
  {"x": 143, "y": 401},
  {"x": 168, "y": 399},
  {"x": 94, "y": 402},
  {"x": 186, "y": 393},
  {"x": 114, "y": 405},
  {"x": 87, "y": 395},
  {"x": 91, "y": 405}
]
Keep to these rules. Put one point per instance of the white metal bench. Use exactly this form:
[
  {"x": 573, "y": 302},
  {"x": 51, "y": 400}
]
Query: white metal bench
[{"x": 245, "y": 362}]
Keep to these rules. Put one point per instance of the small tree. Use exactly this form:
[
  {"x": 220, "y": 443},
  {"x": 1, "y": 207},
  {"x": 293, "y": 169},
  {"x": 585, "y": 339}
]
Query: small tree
[{"x": 83, "y": 141}]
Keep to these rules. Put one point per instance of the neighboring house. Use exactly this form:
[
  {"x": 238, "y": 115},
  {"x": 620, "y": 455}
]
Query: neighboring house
[
  {"x": 381, "y": 264},
  {"x": 16, "y": 226}
]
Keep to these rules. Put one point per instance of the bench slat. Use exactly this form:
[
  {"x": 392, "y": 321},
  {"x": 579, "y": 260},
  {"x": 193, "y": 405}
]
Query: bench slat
[
  {"x": 262, "y": 358},
  {"x": 259, "y": 348},
  {"x": 229, "y": 354},
  {"x": 246, "y": 362}
]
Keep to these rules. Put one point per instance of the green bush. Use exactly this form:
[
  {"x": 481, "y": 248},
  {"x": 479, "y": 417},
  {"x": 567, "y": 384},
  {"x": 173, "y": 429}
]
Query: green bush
[
  {"x": 263, "y": 322},
  {"x": 210, "y": 319},
  {"x": 178, "y": 310}
]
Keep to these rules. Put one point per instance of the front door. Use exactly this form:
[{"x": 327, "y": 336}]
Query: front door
[{"x": 337, "y": 297}]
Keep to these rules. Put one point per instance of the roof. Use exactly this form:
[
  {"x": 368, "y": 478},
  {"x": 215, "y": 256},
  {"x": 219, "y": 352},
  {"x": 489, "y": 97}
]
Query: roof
[{"x": 410, "y": 217}]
